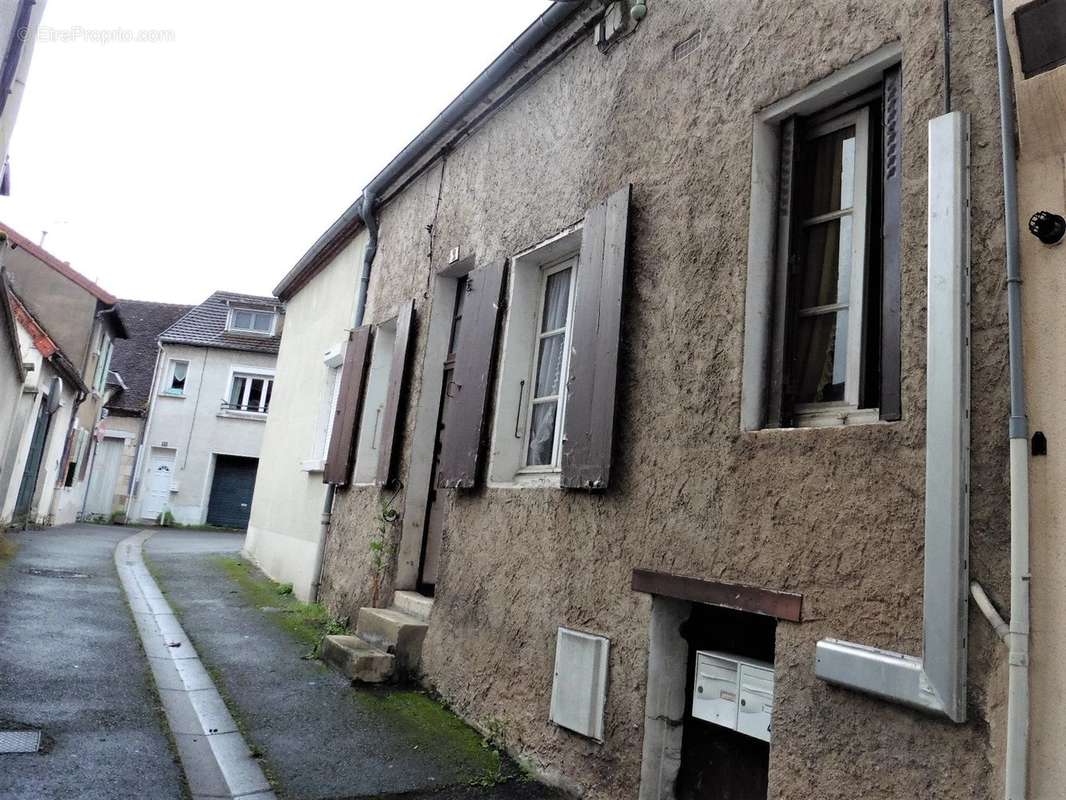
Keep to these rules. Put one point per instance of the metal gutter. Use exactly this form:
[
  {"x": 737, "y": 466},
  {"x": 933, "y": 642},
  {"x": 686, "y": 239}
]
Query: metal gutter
[
  {"x": 348, "y": 224},
  {"x": 936, "y": 681},
  {"x": 1017, "y": 755},
  {"x": 13, "y": 53}
]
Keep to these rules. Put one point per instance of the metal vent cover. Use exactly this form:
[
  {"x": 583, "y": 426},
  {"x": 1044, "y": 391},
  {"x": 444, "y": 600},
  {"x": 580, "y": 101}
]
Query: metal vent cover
[
  {"x": 579, "y": 690},
  {"x": 19, "y": 742}
]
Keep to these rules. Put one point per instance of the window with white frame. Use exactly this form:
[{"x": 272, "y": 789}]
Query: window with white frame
[
  {"x": 249, "y": 392},
  {"x": 177, "y": 375},
  {"x": 830, "y": 264},
  {"x": 822, "y": 332},
  {"x": 247, "y": 320},
  {"x": 547, "y": 381},
  {"x": 333, "y": 361},
  {"x": 534, "y": 366},
  {"x": 103, "y": 362}
]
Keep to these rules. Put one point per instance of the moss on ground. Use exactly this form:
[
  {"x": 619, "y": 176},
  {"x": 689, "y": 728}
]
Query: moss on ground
[
  {"x": 425, "y": 722},
  {"x": 8, "y": 548},
  {"x": 308, "y": 622}
]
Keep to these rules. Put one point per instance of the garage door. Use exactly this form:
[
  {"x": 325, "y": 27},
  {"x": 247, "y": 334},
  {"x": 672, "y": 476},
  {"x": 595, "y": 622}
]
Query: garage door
[{"x": 231, "y": 491}]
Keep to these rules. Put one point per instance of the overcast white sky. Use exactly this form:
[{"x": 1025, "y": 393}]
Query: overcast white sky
[{"x": 168, "y": 170}]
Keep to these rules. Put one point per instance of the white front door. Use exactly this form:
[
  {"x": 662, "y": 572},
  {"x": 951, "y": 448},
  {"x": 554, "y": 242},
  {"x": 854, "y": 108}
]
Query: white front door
[
  {"x": 158, "y": 482},
  {"x": 100, "y": 499}
]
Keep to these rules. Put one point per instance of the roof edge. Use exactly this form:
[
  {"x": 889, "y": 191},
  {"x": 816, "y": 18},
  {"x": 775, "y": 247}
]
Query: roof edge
[{"x": 345, "y": 228}]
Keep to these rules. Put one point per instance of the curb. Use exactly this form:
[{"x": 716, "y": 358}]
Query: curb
[{"x": 214, "y": 756}]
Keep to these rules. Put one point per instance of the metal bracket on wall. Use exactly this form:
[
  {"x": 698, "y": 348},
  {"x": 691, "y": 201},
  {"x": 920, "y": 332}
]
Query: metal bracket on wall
[{"x": 936, "y": 682}]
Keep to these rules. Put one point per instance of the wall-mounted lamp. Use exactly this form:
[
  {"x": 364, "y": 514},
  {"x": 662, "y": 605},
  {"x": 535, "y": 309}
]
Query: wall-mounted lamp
[{"x": 1047, "y": 227}]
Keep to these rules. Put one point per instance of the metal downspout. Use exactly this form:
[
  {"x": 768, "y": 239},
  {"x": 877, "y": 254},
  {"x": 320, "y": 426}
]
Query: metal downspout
[
  {"x": 531, "y": 38},
  {"x": 1018, "y": 638}
]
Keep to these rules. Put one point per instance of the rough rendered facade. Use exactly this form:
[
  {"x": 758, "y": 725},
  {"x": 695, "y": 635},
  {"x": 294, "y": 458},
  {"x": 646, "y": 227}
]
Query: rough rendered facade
[{"x": 834, "y": 514}]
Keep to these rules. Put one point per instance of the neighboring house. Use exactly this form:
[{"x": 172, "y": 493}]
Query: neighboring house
[
  {"x": 81, "y": 318},
  {"x": 132, "y": 369},
  {"x": 19, "y": 22},
  {"x": 285, "y": 525},
  {"x": 38, "y": 403},
  {"x": 676, "y": 412},
  {"x": 212, "y": 387}
]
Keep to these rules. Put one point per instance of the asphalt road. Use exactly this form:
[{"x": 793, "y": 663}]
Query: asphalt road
[{"x": 72, "y": 666}]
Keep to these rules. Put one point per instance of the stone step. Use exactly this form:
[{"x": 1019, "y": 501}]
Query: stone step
[
  {"x": 357, "y": 659},
  {"x": 413, "y": 603},
  {"x": 394, "y": 632}
]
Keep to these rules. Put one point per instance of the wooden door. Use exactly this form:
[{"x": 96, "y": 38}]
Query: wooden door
[{"x": 32, "y": 469}]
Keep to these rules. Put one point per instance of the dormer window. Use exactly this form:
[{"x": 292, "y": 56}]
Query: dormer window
[{"x": 246, "y": 320}]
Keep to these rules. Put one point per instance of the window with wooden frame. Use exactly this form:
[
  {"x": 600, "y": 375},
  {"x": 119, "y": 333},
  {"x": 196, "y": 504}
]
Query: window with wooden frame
[{"x": 834, "y": 351}]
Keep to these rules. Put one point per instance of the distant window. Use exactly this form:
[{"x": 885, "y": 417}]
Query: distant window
[
  {"x": 248, "y": 321},
  {"x": 103, "y": 363},
  {"x": 72, "y": 470},
  {"x": 179, "y": 371},
  {"x": 249, "y": 393}
]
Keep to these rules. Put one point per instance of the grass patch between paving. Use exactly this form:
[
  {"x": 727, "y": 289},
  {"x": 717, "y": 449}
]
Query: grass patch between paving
[
  {"x": 308, "y": 622},
  {"x": 424, "y": 721}
]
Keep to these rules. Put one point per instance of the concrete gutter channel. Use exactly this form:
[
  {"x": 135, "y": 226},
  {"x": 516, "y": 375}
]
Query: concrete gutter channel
[{"x": 214, "y": 756}]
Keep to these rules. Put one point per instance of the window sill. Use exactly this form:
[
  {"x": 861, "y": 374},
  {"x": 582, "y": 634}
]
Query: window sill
[
  {"x": 839, "y": 417},
  {"x": 541, "y": 479},
  {"x": 258, "y": 416},
  {"x": 179, "y": 395},
  {"x": 312, "y": 465}
]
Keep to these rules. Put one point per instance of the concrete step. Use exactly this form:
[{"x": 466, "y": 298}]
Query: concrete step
[
  {"x": 413, "y": 603},
  {"x": 394, "y": 632},
  {"x": 357, "y": 659}
]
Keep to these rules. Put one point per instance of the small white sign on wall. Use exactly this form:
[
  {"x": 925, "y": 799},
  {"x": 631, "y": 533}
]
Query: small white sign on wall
[{"x": 579, "y": 690}]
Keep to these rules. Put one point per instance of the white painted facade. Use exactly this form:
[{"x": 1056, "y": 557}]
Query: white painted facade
[
  {"x": 289, "y": 494},
  {"x": 187, "y": 431},
  {"x": 20, "y": 434}
]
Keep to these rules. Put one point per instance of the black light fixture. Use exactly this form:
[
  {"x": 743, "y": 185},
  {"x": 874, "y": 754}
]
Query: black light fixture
[{"x": 1047, "y": 227}]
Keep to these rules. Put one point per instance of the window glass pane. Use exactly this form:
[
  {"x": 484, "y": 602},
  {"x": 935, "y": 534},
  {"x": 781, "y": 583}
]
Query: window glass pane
[
  {"x": 825, "y": 271},
  {"x": 541, "y": 435},
  {"x": 457, "y": 315},
  {"x": 830, "y": 167},
  {"x": 255, "y": 393},
  {"x": 242, "y": 319},
  {"x": 262, "y": 322},
  {"x": 821, "y": 357},
  {"x": 549, "y": 365},
  {"x": 236, "y": 391},
  {"x": 266, "y": 399},
  {"x": 556, "y": 301}
]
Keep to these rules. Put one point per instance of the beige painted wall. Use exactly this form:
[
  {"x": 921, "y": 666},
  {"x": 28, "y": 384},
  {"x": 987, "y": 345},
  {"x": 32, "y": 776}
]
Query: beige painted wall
[
  {"x": 287, "y": 507},
  {"x": 1041, "y": 106}
]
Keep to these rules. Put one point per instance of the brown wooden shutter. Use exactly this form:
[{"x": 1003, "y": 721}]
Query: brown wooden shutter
[
  {"x": 588, "y": 424},
  {"x": 779, "y": 404},
  {"x": 342, "y": 440},
  {"x": 891, "y": 400},
  {"x": 390, "y": 418},
  {"x": 469, "y": 390}
]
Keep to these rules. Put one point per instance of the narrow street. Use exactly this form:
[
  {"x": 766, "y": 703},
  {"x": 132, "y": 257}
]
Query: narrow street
[{"x": 72, "y": 666}]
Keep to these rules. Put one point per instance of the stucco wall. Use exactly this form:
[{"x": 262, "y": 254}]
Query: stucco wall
[
  {"x": 835, "y": 514},
  {"x": 287, "y": 507},
  {"x": 196, "y": 427}
]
